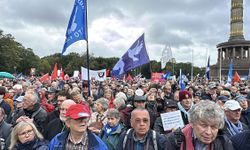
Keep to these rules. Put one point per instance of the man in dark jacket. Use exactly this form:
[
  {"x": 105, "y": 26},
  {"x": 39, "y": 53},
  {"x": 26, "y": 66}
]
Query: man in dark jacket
[
  {"x": 241, "y": 141},
  {"x": 245, "y": 112},
  {"x": 206, "y": 119},
  {"x": 233, "y": 125},
  {"x": 140, "y": 136},
  {"x": 32, "y": 110},
  {"x": 78, "y": 136},
  {"x": 170, "y": 106},
  {"x": 210, "y": 93},
  {"x": 5, "y": 130},
  {"x": 58, "y": 125}
]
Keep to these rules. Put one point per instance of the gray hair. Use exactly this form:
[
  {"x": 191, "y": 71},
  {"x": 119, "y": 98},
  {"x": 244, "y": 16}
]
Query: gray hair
[
  {"x": 113, "y": 113},
  {"x": 119, "y": 102},
  {"x": 104, "y": 102},
  {"x": 207, "y": 110},
  {"x": 32, "y": 95}
]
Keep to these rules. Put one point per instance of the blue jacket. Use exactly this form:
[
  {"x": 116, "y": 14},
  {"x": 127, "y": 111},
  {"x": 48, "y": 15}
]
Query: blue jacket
[{"x": 59, "y": 142}]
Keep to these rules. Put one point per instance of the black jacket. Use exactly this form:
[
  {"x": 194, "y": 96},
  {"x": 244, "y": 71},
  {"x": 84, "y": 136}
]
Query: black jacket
[
  {"x": 53, "y": 128},
  {"x": 241, "y": 141}
]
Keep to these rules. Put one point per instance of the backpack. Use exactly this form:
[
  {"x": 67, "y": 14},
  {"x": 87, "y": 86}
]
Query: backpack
[{"x": 126, "y": 137}]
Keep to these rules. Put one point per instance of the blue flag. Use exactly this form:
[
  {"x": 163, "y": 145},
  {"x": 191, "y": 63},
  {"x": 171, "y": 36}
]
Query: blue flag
[
  {"x": 208, "y": 69},
  {"x": 77, "y": 27},
  {"x": 167, "y": 75},
  {"x": 230, "y": 73},
  {"x": 181, "y": 81},
  {"x": 135, "y": 56}
]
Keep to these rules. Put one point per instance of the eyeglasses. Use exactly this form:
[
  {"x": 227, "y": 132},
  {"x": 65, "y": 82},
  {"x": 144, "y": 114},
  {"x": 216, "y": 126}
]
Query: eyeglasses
[{"x": 29, "y": 132}]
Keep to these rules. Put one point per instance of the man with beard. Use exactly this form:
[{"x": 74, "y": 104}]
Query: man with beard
[{"x": 78, "y": 136}]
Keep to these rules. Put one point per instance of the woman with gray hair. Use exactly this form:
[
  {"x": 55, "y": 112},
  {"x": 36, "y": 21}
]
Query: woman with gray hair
[
  {"x": 26, "y": 136},
  {"x": 98, "y": 118},
  {"x": 206, "y": 119},
  {"x": 111, "y": 132}
]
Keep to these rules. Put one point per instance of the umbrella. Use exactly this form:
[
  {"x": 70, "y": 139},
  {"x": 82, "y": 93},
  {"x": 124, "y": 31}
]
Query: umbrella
[{"x": 6, "y": 75}]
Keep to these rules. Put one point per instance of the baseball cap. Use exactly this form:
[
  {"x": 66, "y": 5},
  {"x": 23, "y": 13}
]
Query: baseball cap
[
  {"x": 211, "y": 85},
  {"x": 232, "y": 105},
  {"x": 139, "y": 92},
  {"x": 184, "y": 94},
  {"x": 240, "y": 98},
  {"x": 77, "y": 111},
  {"x": 223, "y": 98},
  {"x": 139, "y": 98},
  {"x": 169, "y": 103}
]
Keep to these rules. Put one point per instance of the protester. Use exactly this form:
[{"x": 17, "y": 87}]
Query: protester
[
  {"x": 170, "y": 106},
  {"x": 233, "y": 125},
  {"x": 52, "y": 96},
  {"x": 5, "y": 130},
  {"x": 44, "y": 101},
  {"x": 245, "y": 112},
  {"x": 140, "y": 136},
  {"x": 210, "y": 93},
  {"x": 184, "y": 104},
  {"x": 111, "y": 132},
  {"x": 203, "y": 132},
  {"x": 78, "y": 136},
  {"x": 32, "y": 110},
  {"x": 124, "y": 111},
  {"x": 58, "y": 124},
  {"x": 98, "y": 119},
  {"x": 3, "y": 104},
  {"x": 26, "y": 136}
]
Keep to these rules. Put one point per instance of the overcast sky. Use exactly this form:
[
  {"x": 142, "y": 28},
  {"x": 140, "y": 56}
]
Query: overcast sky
[{"x": 114, "y": 25}]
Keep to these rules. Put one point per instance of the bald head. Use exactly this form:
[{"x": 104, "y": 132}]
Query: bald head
[{"x": 64, "y": 107}]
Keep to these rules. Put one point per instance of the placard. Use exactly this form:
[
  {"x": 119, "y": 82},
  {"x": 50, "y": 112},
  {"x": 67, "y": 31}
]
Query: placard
[{"x": 172, "y": 120}]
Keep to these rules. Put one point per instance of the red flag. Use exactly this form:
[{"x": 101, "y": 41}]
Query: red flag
[
  {"x": 54, "y": 73},
  {"x": 129, "y": 78},
  {"x": 62, "y": 73},
  {"x": 236, "y": 77},
  {"x": 44, "y": 77},
  {"x": 66, "y": 77}
]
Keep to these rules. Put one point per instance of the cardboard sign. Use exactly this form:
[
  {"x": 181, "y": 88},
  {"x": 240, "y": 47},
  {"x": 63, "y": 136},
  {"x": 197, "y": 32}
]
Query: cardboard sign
[{"x": 172, "y": 120}]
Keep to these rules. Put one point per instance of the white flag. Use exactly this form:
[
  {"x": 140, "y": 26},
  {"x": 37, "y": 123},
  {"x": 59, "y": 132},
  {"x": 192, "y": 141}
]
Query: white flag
[
  {"x": 99, "y": 75},
  {"x": 166, "y": 56}
]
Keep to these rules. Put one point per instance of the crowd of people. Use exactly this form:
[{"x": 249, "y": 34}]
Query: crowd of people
[{"x": 123, "y": 115}]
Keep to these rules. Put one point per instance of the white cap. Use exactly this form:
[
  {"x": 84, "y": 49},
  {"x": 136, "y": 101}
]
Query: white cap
[
  {"x": 139, "y": 92},
  {"x": 232, "y": 105}
]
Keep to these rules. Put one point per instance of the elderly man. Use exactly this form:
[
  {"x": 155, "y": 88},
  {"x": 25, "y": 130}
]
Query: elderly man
[
  {"x": 140, "y": 136},
  {"x": 78, "y": 136},
  {"x": 210, "y": 93},
  {"x": 245, "y": 112},
  {"x": 32, "y": 110},
  {"x": 233, "y": 125},
  {"x": 206, "y": 118},
  {"x": 58, "y": 124}
]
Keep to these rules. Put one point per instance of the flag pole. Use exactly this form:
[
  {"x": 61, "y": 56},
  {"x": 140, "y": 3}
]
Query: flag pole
[
  {"x": 87, "y": 47},
  {"x": 192, "y": 69},
  {"x": 220, "y": 63}
]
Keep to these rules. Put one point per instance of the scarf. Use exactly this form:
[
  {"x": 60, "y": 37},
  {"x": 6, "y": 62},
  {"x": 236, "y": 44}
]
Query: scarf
[
  {"x": 108, "y": 129},
  {"x": 182, "y": 109},
  {"x": 27, "y": 145},
  {"x": 232, "y": 128}
]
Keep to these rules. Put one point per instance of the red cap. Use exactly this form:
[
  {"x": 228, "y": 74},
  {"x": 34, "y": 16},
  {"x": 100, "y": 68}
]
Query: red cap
[
  {"x": 78, "y": 111},
  {"x": 184, "y": 94}
]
